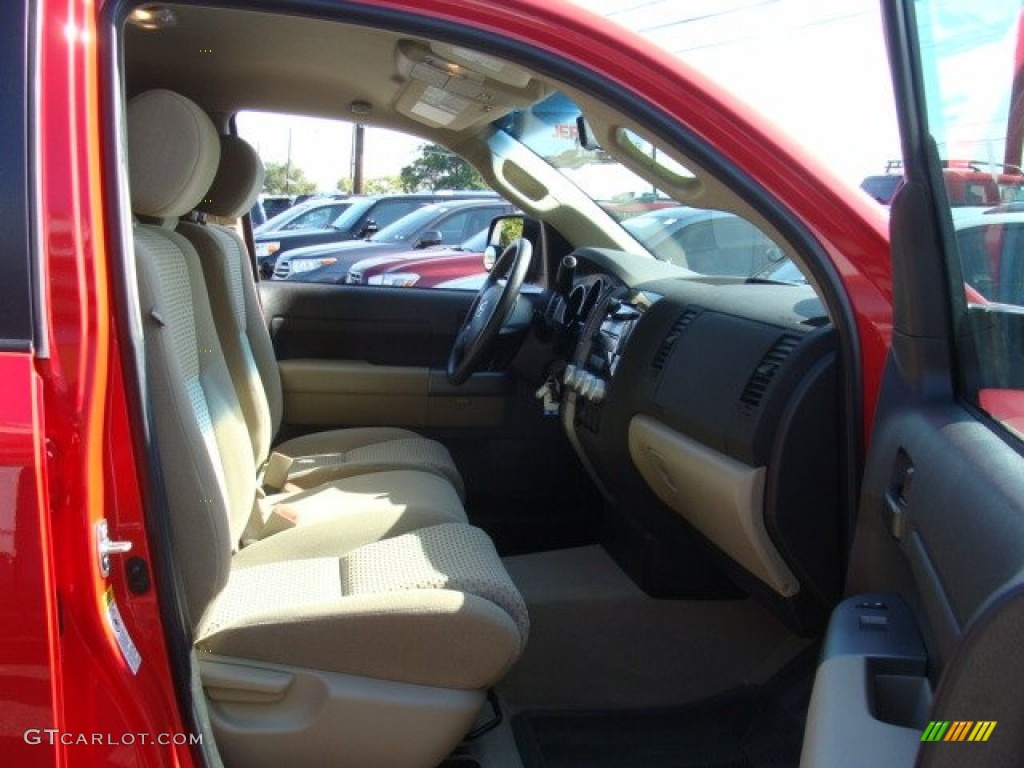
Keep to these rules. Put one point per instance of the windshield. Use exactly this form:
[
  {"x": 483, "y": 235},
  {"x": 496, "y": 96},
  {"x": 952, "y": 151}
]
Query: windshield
[
  {"x": 707, "y": 242},
  {"x": 550, "y": 129},
  {"x": 407, "y": 227}
]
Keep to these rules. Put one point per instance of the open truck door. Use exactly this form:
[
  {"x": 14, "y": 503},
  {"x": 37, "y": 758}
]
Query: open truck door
[{"x": 923, "y": 663}]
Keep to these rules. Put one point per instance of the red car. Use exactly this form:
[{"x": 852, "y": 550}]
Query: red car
[
  {"x": 422, "y": 268},
  {"x": 606, "y": 511}
]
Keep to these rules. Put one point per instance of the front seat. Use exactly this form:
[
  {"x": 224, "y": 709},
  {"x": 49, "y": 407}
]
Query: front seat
[
  {"x": 322, "y": 642},
  {"x": 311, "y": 459}
]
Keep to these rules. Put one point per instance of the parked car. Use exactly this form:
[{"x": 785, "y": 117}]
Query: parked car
[
  {"x": 422, "y": 267},
  {"x": 430, "y": 225},
  {"x": 714, "y": 521},
  {"x": 989, "y": 242},
  {"x": 706, "y": 241},
  {"x": 275, "y": 204},
  {"x": 364, "y": 216},
  {"x": 969, "y": 183},
  {"x": 314, "y": 214}
]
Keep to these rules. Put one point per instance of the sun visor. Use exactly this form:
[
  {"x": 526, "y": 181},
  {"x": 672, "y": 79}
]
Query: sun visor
[{"x": 453, "y": 94}]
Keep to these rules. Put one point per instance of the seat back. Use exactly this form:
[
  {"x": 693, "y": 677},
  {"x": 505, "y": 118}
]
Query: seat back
[
  {"x": 232, "y": 289},
  {"x": 200, "y": 433}
]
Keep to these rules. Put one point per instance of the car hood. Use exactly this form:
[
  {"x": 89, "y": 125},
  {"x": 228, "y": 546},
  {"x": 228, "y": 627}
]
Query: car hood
[
  {"x": 435, "y": 252},
  {"x": 349, "y": 247},
  {"x": 284, "y": 235}
]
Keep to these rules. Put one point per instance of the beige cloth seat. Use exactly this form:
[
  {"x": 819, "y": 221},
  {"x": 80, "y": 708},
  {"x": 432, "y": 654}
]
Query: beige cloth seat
[
  {"x": 319, "y": 457},
  {"x": 360, "y": 634}
]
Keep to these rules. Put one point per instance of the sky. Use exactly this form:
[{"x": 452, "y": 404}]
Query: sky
[{"x": 817, "y": 70}]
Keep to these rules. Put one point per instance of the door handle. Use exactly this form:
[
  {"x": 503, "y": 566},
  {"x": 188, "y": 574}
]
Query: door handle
[{"x": 894, "y": 506}]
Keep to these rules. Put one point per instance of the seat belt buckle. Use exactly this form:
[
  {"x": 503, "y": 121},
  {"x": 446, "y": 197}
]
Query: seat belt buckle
[{"x": 275, "y": 474}]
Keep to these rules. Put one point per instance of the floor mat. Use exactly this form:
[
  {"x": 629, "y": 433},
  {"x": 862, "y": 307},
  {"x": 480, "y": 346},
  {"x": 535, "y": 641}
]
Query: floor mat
[{"x": 749, "y": 727}]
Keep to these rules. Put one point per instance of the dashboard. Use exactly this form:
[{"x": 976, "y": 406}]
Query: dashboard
[{"x": 707, "y": 410}]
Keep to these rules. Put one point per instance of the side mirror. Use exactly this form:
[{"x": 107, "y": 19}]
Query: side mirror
[
  {"x": 503, "y": 230},
  {"x": 431, "y": 237}
]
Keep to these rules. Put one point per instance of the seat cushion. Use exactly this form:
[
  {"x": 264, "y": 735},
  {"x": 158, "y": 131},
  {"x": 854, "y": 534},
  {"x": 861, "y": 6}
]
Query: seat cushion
[
  {"x": 325, "y": 456},
  {"x": 351, "y": 512},
  {"x": 431, "y": 607}
]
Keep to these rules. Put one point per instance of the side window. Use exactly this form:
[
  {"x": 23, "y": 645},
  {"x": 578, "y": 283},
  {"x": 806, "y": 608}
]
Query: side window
[
  {"x": 480, "y": 220},
  {"x": 389, "y": 211},
  {"x": 453, "y": 229},
  {"x": 318, "y": 218},
  {"x": 978, "y": 131}
]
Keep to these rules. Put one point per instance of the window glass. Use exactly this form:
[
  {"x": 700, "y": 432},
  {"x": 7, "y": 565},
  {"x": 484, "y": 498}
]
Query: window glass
[
  {"x": 977, "y": 127},
  {"x": 389, "y": 211},
  {"x": 453, "y": 228},
  {"x": 317, "y": 218},
  {"x": 705, "y": 241}
]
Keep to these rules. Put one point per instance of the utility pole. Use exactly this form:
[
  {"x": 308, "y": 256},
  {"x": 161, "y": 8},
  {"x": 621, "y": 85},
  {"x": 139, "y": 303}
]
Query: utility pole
[
  {"x": 288, "y": 165},
  {"x": 357, "y": 159}
]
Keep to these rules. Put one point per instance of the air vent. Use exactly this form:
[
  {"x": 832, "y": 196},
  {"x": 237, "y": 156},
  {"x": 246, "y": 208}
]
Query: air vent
[
  {"x": 665, "y": 348},
  {"x": 765, "y": 371}
]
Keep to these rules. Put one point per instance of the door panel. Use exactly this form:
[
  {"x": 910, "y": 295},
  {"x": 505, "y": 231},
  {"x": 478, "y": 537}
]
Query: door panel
[
  {"x": 321, "y": 393},
  {"x": 373, "y": 356},
  {"x": 938, "y": 552},
  {"x": 384, "y": 326}
]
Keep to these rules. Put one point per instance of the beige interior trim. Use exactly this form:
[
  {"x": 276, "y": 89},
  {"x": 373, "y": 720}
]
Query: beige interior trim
[
  {"x": 354, "y": 377},
  {"x": 842, "y": 731},
  {"x": 721, "y": 497},
  {"x": 353, "y": 393},
  {"x": 273, "y": 715},
  {"x": 356, "y": 393}
]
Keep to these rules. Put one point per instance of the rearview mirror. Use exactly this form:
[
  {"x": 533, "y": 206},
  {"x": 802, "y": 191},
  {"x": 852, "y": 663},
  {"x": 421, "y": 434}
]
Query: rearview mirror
[
  {"x": 370, "y": 228},
  {"x": 586, "y": 134}
]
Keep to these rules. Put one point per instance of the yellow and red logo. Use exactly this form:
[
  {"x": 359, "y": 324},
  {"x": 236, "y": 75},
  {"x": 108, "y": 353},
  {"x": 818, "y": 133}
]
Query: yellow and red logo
[{"x": 958, "y": 730}]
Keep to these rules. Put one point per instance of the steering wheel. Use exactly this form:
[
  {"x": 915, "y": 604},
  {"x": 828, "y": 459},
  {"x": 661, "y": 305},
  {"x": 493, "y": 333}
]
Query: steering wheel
[{"x": 489, "y": 311}]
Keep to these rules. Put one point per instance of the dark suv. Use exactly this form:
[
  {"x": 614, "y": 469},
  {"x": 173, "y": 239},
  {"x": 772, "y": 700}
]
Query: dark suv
[
  {"x": 449, "y": 222},
  {"x": 363, "y": 217}
]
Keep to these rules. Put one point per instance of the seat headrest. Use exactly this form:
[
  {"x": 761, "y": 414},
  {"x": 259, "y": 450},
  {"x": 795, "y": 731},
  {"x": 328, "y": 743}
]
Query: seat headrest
[
  {"x": 238, "y": 182},
  {"x": 173, "y": 153}
]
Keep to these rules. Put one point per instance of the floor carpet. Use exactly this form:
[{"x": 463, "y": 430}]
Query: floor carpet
[{"x": 749, "y": 727}]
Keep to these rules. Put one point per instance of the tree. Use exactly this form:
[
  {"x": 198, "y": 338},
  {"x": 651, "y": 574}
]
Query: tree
[
  {"x": 277, "y": 182},
  {"x": 383, "y": 185},
  {"x": 438, "y": 168}
]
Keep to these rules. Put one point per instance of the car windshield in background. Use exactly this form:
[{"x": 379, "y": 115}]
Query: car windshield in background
[
  {"x": 705, "y": 241},
  {"x": 351, "y": 216},
  {"x": 407, "y": 226}
]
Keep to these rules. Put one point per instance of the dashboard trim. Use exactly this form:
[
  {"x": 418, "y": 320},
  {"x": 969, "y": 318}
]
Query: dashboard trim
[{"x": 719, "y": 496}]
